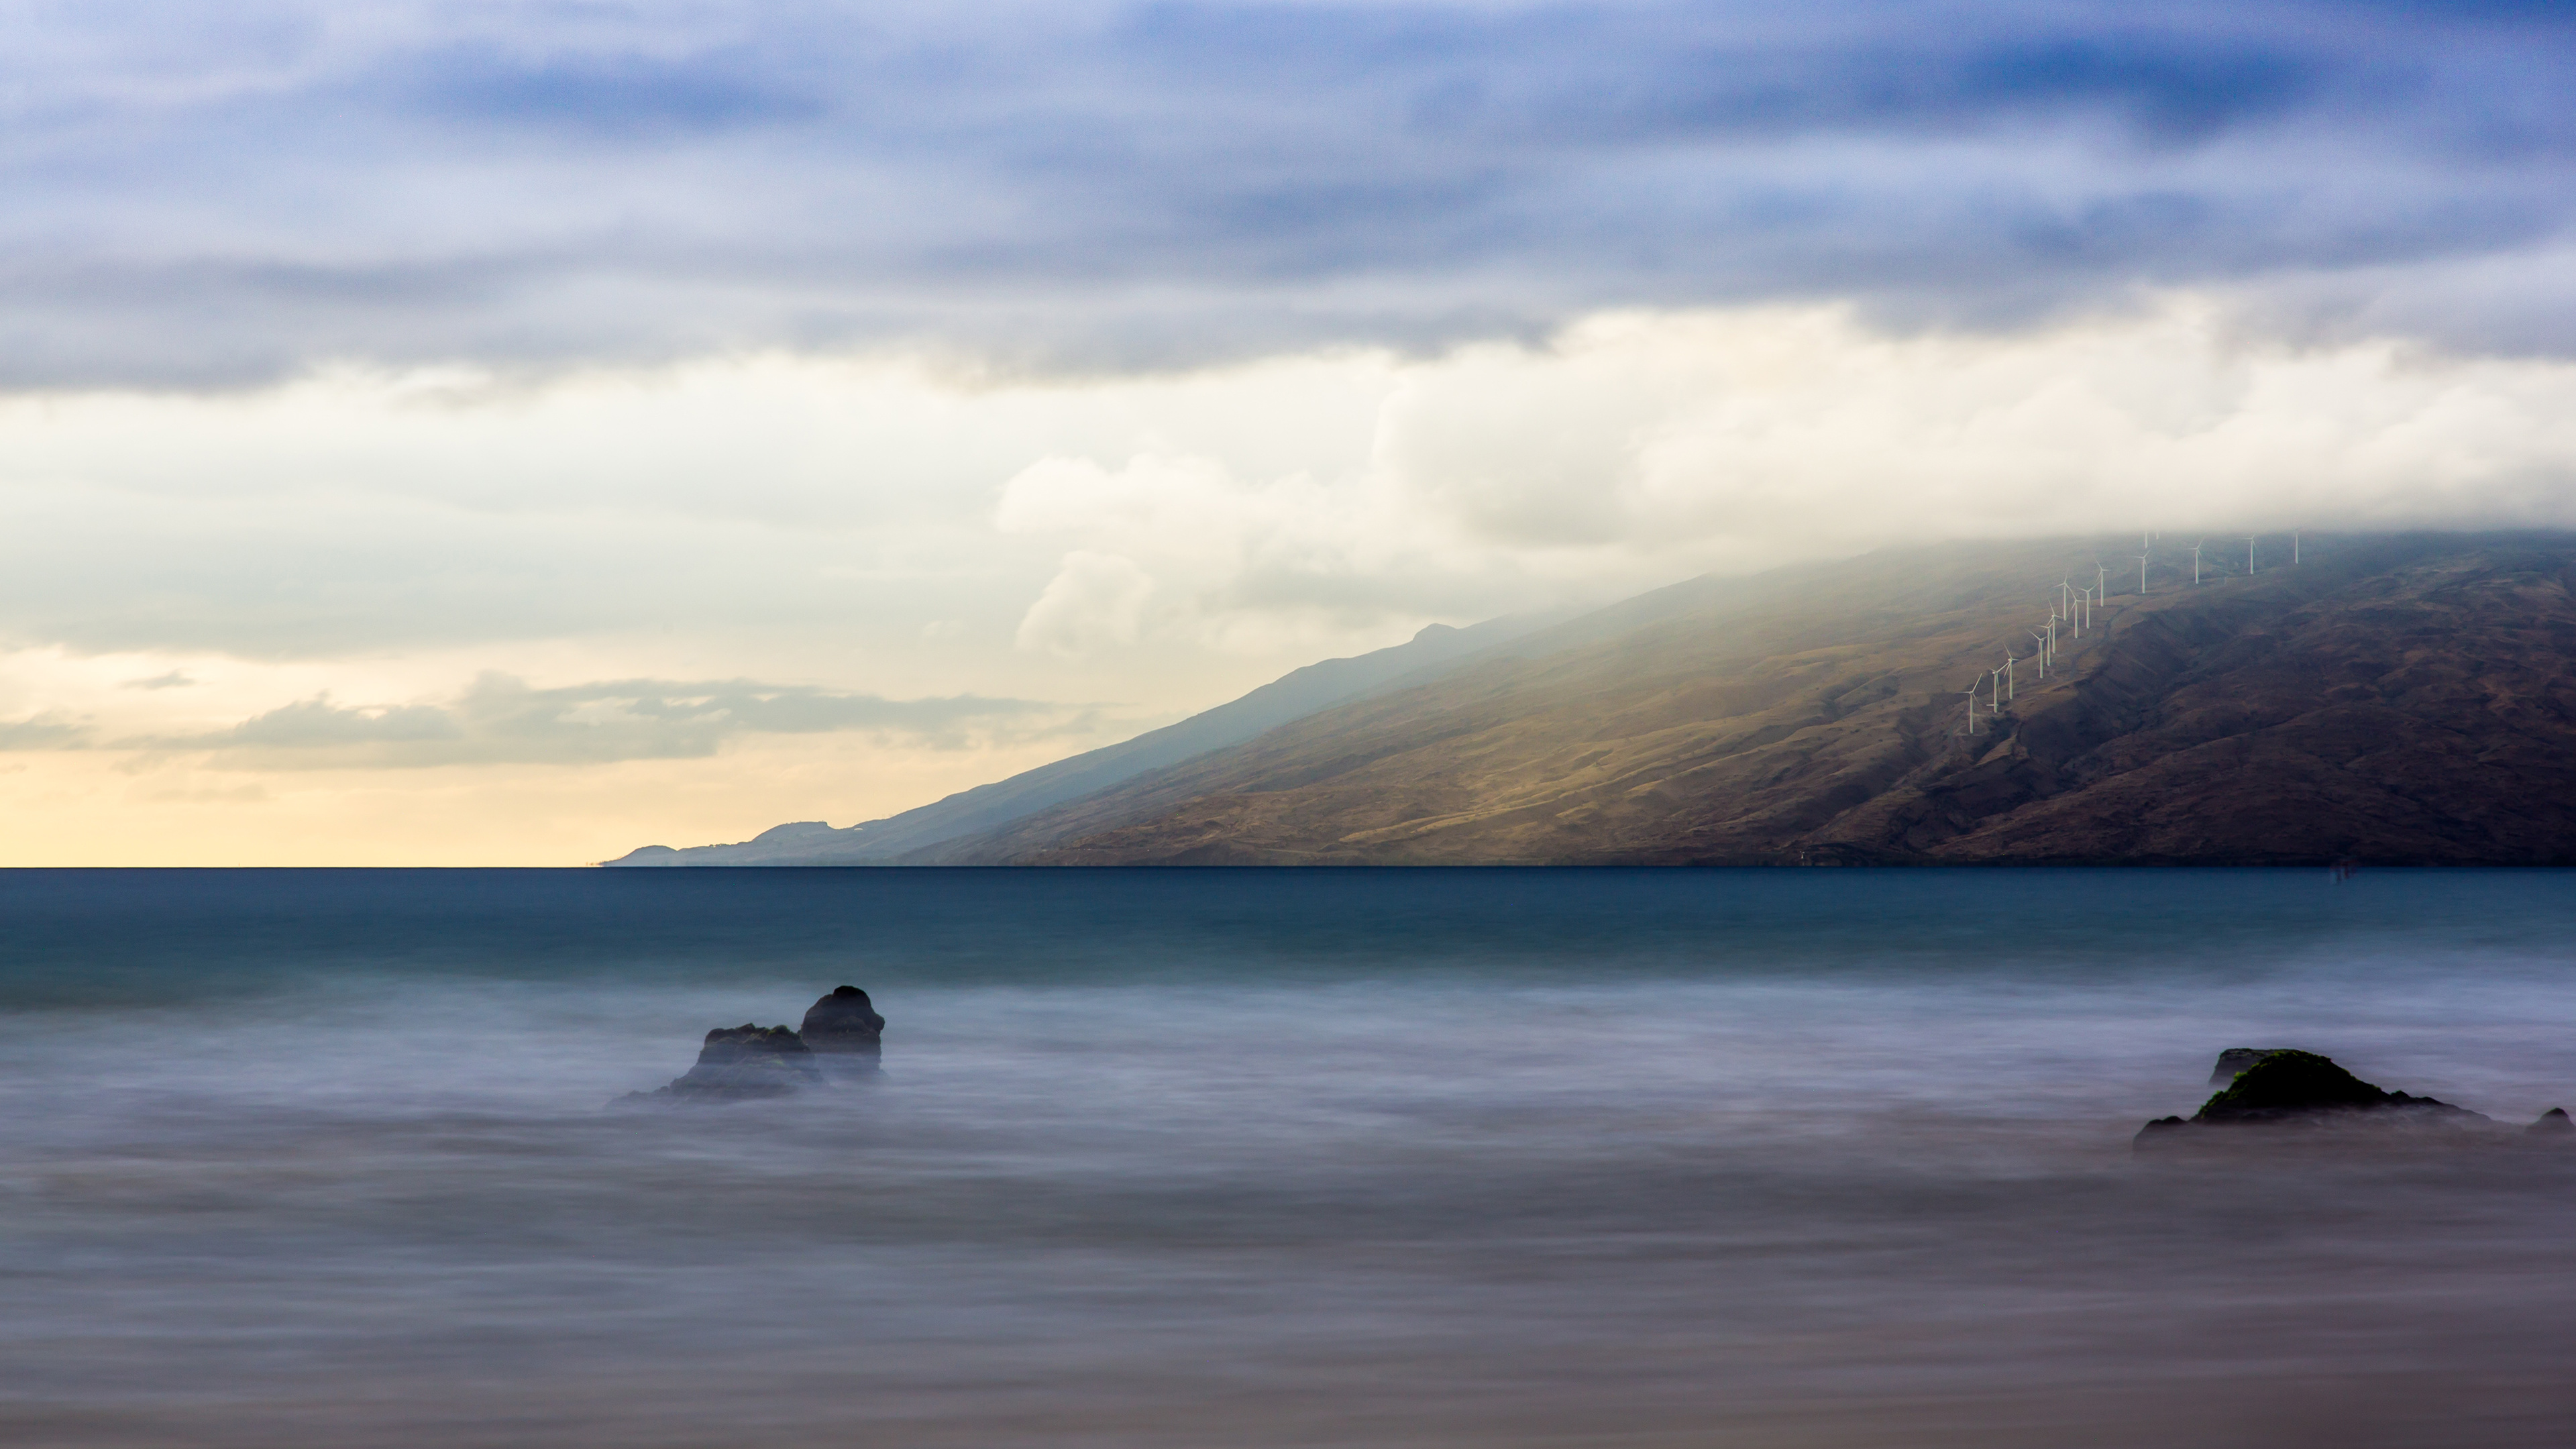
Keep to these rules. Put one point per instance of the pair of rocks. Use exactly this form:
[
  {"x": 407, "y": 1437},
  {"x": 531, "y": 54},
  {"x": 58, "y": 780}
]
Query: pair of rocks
[
  {"x": 841, "y": 1037},
  {"x": 2285, "y": 1087}
]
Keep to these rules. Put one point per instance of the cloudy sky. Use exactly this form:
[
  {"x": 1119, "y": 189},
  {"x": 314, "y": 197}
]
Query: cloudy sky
[{"x": 514, "y": 433}]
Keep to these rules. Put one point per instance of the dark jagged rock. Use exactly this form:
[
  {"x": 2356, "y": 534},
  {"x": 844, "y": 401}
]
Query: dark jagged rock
[
  {"x": 742, "y": 1063},
  {"x": 2285, "y": 1087},
  {"x": 2296, "y": 1083},
  {"x": 844, "y": 1028},
  {"x": 2552, "y": 1122},
  {"x": 2237, "y": 1059}
]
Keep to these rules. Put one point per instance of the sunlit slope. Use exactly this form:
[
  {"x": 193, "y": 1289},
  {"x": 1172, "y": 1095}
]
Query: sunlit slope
[
  {"x": 987, "y": 807},
  {"x": 2388, "y": 699}
]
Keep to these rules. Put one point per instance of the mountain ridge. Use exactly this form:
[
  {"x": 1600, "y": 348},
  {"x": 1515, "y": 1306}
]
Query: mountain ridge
[
  {"x": 1818, "y": 720},
  {"x": 1301, "y": 691}
]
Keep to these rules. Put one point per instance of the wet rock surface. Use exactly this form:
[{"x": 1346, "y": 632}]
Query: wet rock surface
[
  {"x": 845, "y": 1026},
  {"x": 742, "y": 1063},
  {"x": 2288, "y": 1084},
  {"x": 840, "y": 1039},
  {"x": 2286, "y": 1088}
]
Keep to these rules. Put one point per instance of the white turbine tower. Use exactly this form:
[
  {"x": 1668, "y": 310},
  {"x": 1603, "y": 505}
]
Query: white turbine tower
[
  {"x": 2041, "y": 640},
  {"x": 2249, "y": 553},
  {"x": 2195, "y": 565},
  {"x": 1971, "y": 692},
  {"x": 2009, "y": 691},
  {"x": 2294, "y": 548},
  {"x": 2142, "y": 576}
]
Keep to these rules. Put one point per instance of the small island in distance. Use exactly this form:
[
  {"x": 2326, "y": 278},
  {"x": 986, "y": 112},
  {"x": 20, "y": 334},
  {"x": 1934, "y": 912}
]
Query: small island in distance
[{"x": 2403, "y": 699}]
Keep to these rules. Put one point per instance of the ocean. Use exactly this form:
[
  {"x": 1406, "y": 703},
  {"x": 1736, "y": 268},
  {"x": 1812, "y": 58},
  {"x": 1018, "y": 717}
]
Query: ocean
[{"x": 1254, "y": 1158}]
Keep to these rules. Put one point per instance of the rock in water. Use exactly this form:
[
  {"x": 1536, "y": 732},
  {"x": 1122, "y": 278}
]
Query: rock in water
[
  {"x": 2295, "y": 1087},
  {"x": 845, "y": 1027},
  {"x": 2237, "y": 1059},
  {"x": 2294, "y": 1083},
  {"x": 742, "y": 1063}
]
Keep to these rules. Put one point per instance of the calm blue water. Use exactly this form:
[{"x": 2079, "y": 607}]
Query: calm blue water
[{"x": 1191, "y": 1158}]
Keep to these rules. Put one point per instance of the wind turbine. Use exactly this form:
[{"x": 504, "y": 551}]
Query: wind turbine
[
  {"x": 2142, "y": 576},
  {"x": 1971, "y": 692},
  {"x": 2042, "y": 641},
  {"x": 2294, "y": 548},
  {"x": 2195, "y": 565},
  {"x": 1995, "y": 689},
  {"x": 2249, "y": 553},
  {"x": 2009, "y": 690}
]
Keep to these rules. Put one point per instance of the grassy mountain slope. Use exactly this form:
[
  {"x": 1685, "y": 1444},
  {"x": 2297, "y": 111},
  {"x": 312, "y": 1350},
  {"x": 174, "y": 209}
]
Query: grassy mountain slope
[
  {"x": 2391, "y": 699},
  {"x": 1303, "y": 691}
]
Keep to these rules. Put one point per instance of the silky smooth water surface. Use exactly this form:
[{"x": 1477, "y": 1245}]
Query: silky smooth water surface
[{"x": 1189, "y": 1158}]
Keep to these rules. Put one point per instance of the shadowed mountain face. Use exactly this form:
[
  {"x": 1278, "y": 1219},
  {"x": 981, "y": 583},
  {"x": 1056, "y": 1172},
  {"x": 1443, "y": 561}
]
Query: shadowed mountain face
[{"x": 2389, "y": 699}]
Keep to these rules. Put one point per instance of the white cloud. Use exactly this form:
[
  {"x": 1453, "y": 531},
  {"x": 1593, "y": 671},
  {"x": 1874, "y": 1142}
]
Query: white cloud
[
  {"x": 917, "y": 523},
  {"x": 1638, "y": 448},
  {"x": 1094, "y": 600},
  {"x": 1720, "y": 437}
]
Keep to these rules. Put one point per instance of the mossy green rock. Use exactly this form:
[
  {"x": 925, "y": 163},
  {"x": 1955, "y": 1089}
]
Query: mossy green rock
[
  {"x": 2294, "y": 1081},
  {"x": 2287, "y": 1086},
  {"x": 2237, "y": 1059}
]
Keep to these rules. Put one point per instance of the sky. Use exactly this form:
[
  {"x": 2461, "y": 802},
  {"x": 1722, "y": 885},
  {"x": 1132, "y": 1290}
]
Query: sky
[{"x": 511, "y": 434}]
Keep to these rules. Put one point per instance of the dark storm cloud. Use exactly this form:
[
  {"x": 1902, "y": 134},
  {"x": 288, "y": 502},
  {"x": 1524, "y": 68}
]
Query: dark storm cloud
[
  {"x": 1143, "y": 183},
  {"x": 501, "y": 720}
]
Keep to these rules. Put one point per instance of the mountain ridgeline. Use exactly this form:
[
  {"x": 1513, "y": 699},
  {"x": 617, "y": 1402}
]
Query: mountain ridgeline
[
  {"x": 2389, "y": 699},
  {"x": 1298, "y": 693}
]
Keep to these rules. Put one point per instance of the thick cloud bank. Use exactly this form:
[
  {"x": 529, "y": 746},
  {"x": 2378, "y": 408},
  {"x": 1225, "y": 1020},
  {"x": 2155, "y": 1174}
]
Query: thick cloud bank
[
  {"x": 204, "y": 194},
  {"x": 1645, "y": 446},
  {"x": 883, "y": 528}
]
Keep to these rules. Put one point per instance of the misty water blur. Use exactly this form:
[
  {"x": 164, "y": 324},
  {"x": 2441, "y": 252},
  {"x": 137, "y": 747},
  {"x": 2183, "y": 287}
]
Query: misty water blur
[{"x": 1253, "y": 1157}]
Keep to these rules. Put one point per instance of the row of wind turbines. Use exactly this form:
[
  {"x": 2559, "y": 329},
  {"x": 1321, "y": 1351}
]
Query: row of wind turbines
[{"x": 2073, "y": 608}]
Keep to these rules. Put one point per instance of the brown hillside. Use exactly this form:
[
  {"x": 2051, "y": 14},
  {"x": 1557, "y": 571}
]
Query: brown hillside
[{"x": 2391, "y": 699}]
